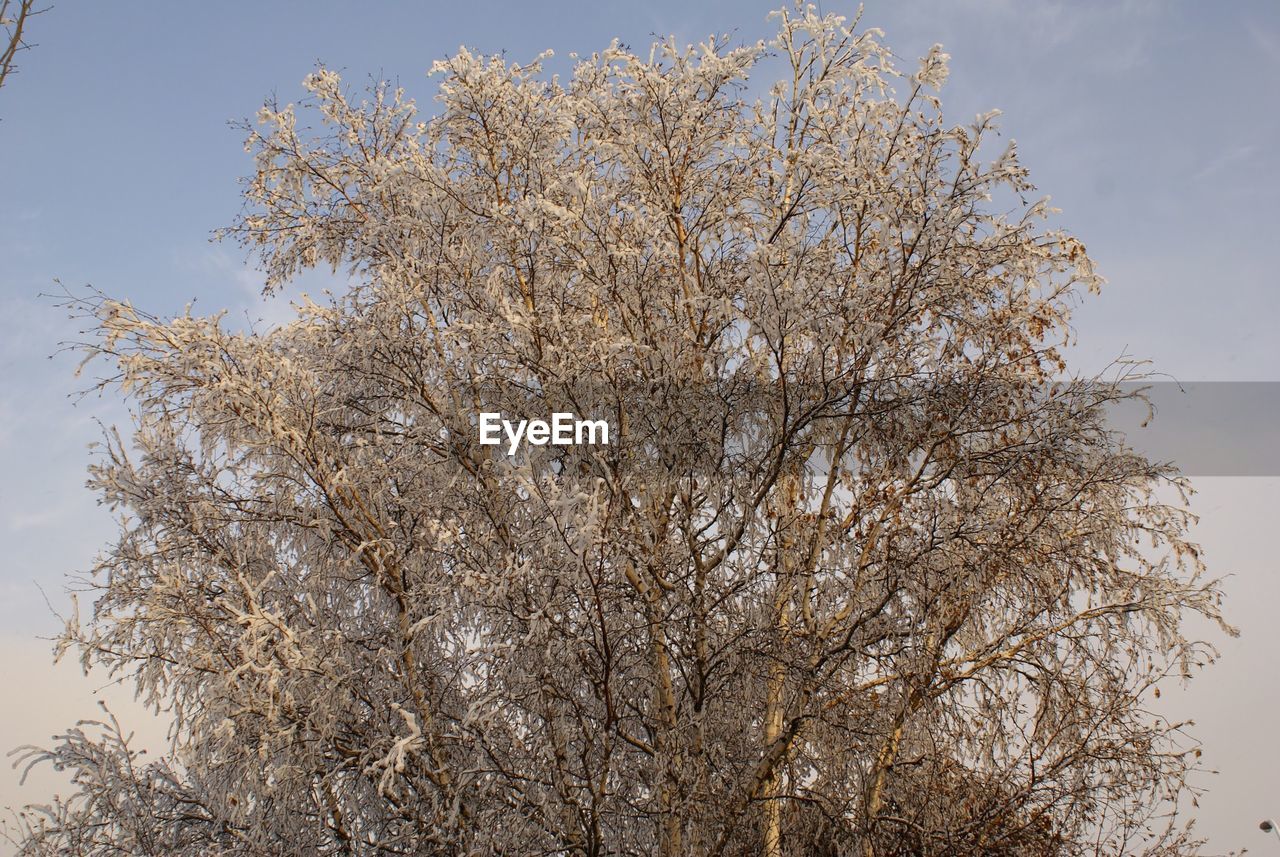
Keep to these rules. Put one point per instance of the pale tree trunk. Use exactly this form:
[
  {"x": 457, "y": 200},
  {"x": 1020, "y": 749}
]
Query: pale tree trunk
[
  {"x": 875, "y": 797},
  {"x": 775, "y": 702},
  {"x": 670, "y": 843},
  {"x": 664, "y": 698},
  {"x": 772, "y": 731}
]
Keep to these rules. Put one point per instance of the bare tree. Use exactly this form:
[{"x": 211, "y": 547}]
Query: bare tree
[
  {"x": 13, "y": 19},
  {"x": 862, "y": 571}
]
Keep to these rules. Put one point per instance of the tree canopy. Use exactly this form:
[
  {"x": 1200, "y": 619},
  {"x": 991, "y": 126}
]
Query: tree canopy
[{"x": 861, "y": 571}]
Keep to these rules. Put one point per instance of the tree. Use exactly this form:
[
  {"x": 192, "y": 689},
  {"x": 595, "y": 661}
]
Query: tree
[
  {"x": 13, "y": 18},
  {"x": 862, "y": 571}
]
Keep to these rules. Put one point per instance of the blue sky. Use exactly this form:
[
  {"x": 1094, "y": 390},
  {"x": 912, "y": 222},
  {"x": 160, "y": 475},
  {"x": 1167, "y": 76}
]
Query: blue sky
[
  {"x": 1152, "y": 124},
  {"x": 1149, "y": 122}
]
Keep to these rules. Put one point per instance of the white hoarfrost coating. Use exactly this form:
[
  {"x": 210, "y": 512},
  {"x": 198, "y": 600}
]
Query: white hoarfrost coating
[{"x": 858, "y": 571}]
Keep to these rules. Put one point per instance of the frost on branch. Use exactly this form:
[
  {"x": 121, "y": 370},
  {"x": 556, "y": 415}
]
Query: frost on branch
[{"x": 862, "y": 570}]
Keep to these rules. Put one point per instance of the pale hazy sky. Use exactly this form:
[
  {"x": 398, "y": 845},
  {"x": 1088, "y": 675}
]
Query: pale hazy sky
[{"x": 1152, "y": 124}]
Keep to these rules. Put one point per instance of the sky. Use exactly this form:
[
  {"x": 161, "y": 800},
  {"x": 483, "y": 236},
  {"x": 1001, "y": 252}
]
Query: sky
[{"x": 1150, "y": 123}]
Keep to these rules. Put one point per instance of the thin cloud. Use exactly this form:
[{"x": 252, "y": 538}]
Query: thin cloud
[
  {"x": 1265, "y": 39},
  {"x": 1231, "y": 156}
]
